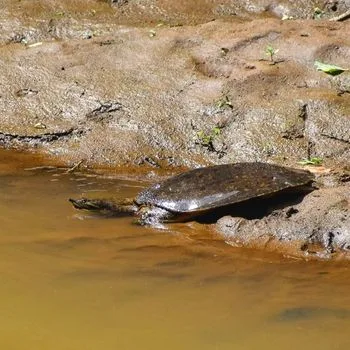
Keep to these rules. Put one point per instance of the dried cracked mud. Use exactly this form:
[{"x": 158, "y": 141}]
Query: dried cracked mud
[{"x": 164, "y": 84}]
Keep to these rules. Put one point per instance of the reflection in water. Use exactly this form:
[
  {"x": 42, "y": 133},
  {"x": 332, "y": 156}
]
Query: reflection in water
[{"x": 72, "y": 280}]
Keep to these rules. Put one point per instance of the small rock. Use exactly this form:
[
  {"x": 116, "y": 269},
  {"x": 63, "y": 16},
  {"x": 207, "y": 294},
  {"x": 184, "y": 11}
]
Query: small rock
[{"x": 40, "y": 126}]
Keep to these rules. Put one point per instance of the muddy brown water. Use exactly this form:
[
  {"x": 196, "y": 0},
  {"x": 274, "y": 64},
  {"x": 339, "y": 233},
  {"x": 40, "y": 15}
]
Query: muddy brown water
[{"x": 70, "y": 280}]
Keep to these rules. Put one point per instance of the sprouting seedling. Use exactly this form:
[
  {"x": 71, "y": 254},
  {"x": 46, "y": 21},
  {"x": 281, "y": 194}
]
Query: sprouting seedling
[
  {"x": 224, "y": 102},
  {"x": 318, "y": 13},
  {"x": 216, "y": 131},
  {"x": 316, "y": 161},
  {"x": 206, "y": 139},
  {"x": 271, "y": 51}
]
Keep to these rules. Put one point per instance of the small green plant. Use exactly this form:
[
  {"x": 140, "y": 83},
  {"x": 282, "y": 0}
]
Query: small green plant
[
  {"x": 216, "y": 131},
  {"x": 59, "y": 14},
  {"x": 271, "y": 52},
  {"x": 318, "y": 13},
  {"x": 316, "y": 161},
  {"x": 206, "y": 139},
  {"x": 224, "y": 103}
]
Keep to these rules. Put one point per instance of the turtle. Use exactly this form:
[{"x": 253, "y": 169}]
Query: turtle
[{"x": 197, "y": 192}]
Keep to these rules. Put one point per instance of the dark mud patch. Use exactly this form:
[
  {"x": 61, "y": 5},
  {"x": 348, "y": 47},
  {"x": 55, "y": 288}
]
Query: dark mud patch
[{"x": 6, "y": 138}]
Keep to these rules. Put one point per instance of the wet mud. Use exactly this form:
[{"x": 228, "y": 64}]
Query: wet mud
[
  {"x": 165, "y": 95},
  {"x": 316, "y": 227}
]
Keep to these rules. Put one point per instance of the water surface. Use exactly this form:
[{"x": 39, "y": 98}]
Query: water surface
[{"x": 69, "y": 280}]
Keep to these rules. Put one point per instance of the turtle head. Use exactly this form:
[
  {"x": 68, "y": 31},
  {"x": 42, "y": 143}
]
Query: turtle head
[{"x": 105, "y": 206}]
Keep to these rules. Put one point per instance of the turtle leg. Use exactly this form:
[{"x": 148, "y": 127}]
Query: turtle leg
[
  {"x": 153, "y": 215},
  {"x": 102, "y": 205}
]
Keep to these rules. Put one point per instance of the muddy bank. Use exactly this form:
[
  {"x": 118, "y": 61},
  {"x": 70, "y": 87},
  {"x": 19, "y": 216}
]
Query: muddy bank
[
  {"x": 318, "y": 227},
  {"x": 86, "y": 87},
  {"x": 161, "y": 85}
]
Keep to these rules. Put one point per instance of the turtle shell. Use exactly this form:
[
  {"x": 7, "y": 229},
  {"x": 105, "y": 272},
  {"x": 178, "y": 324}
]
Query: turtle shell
[{"x": 217, "y": 186}]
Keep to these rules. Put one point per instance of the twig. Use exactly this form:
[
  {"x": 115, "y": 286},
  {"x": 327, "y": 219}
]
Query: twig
[
  {"x": 341, "y": 17},
  {"x": 74, "y": 167}
]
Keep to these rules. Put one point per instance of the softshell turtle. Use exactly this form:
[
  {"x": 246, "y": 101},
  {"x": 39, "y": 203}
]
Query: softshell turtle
[{"x": 199, "y": 191}]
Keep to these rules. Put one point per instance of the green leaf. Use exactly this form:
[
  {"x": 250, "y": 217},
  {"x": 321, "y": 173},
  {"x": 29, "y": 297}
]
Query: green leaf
[
  {"x": 311, "y": 161},
  {"x": 216, "y": 131},
  {"x": 200, "y": 134},
  {"x": 329, "y": 68},
  {"x": 204, "y": 138},
  {"x": 271, "y": 50}
]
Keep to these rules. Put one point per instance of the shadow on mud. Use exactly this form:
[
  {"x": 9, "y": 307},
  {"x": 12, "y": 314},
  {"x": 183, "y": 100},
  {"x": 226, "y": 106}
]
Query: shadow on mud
[{"x": 257, "y": 208}]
